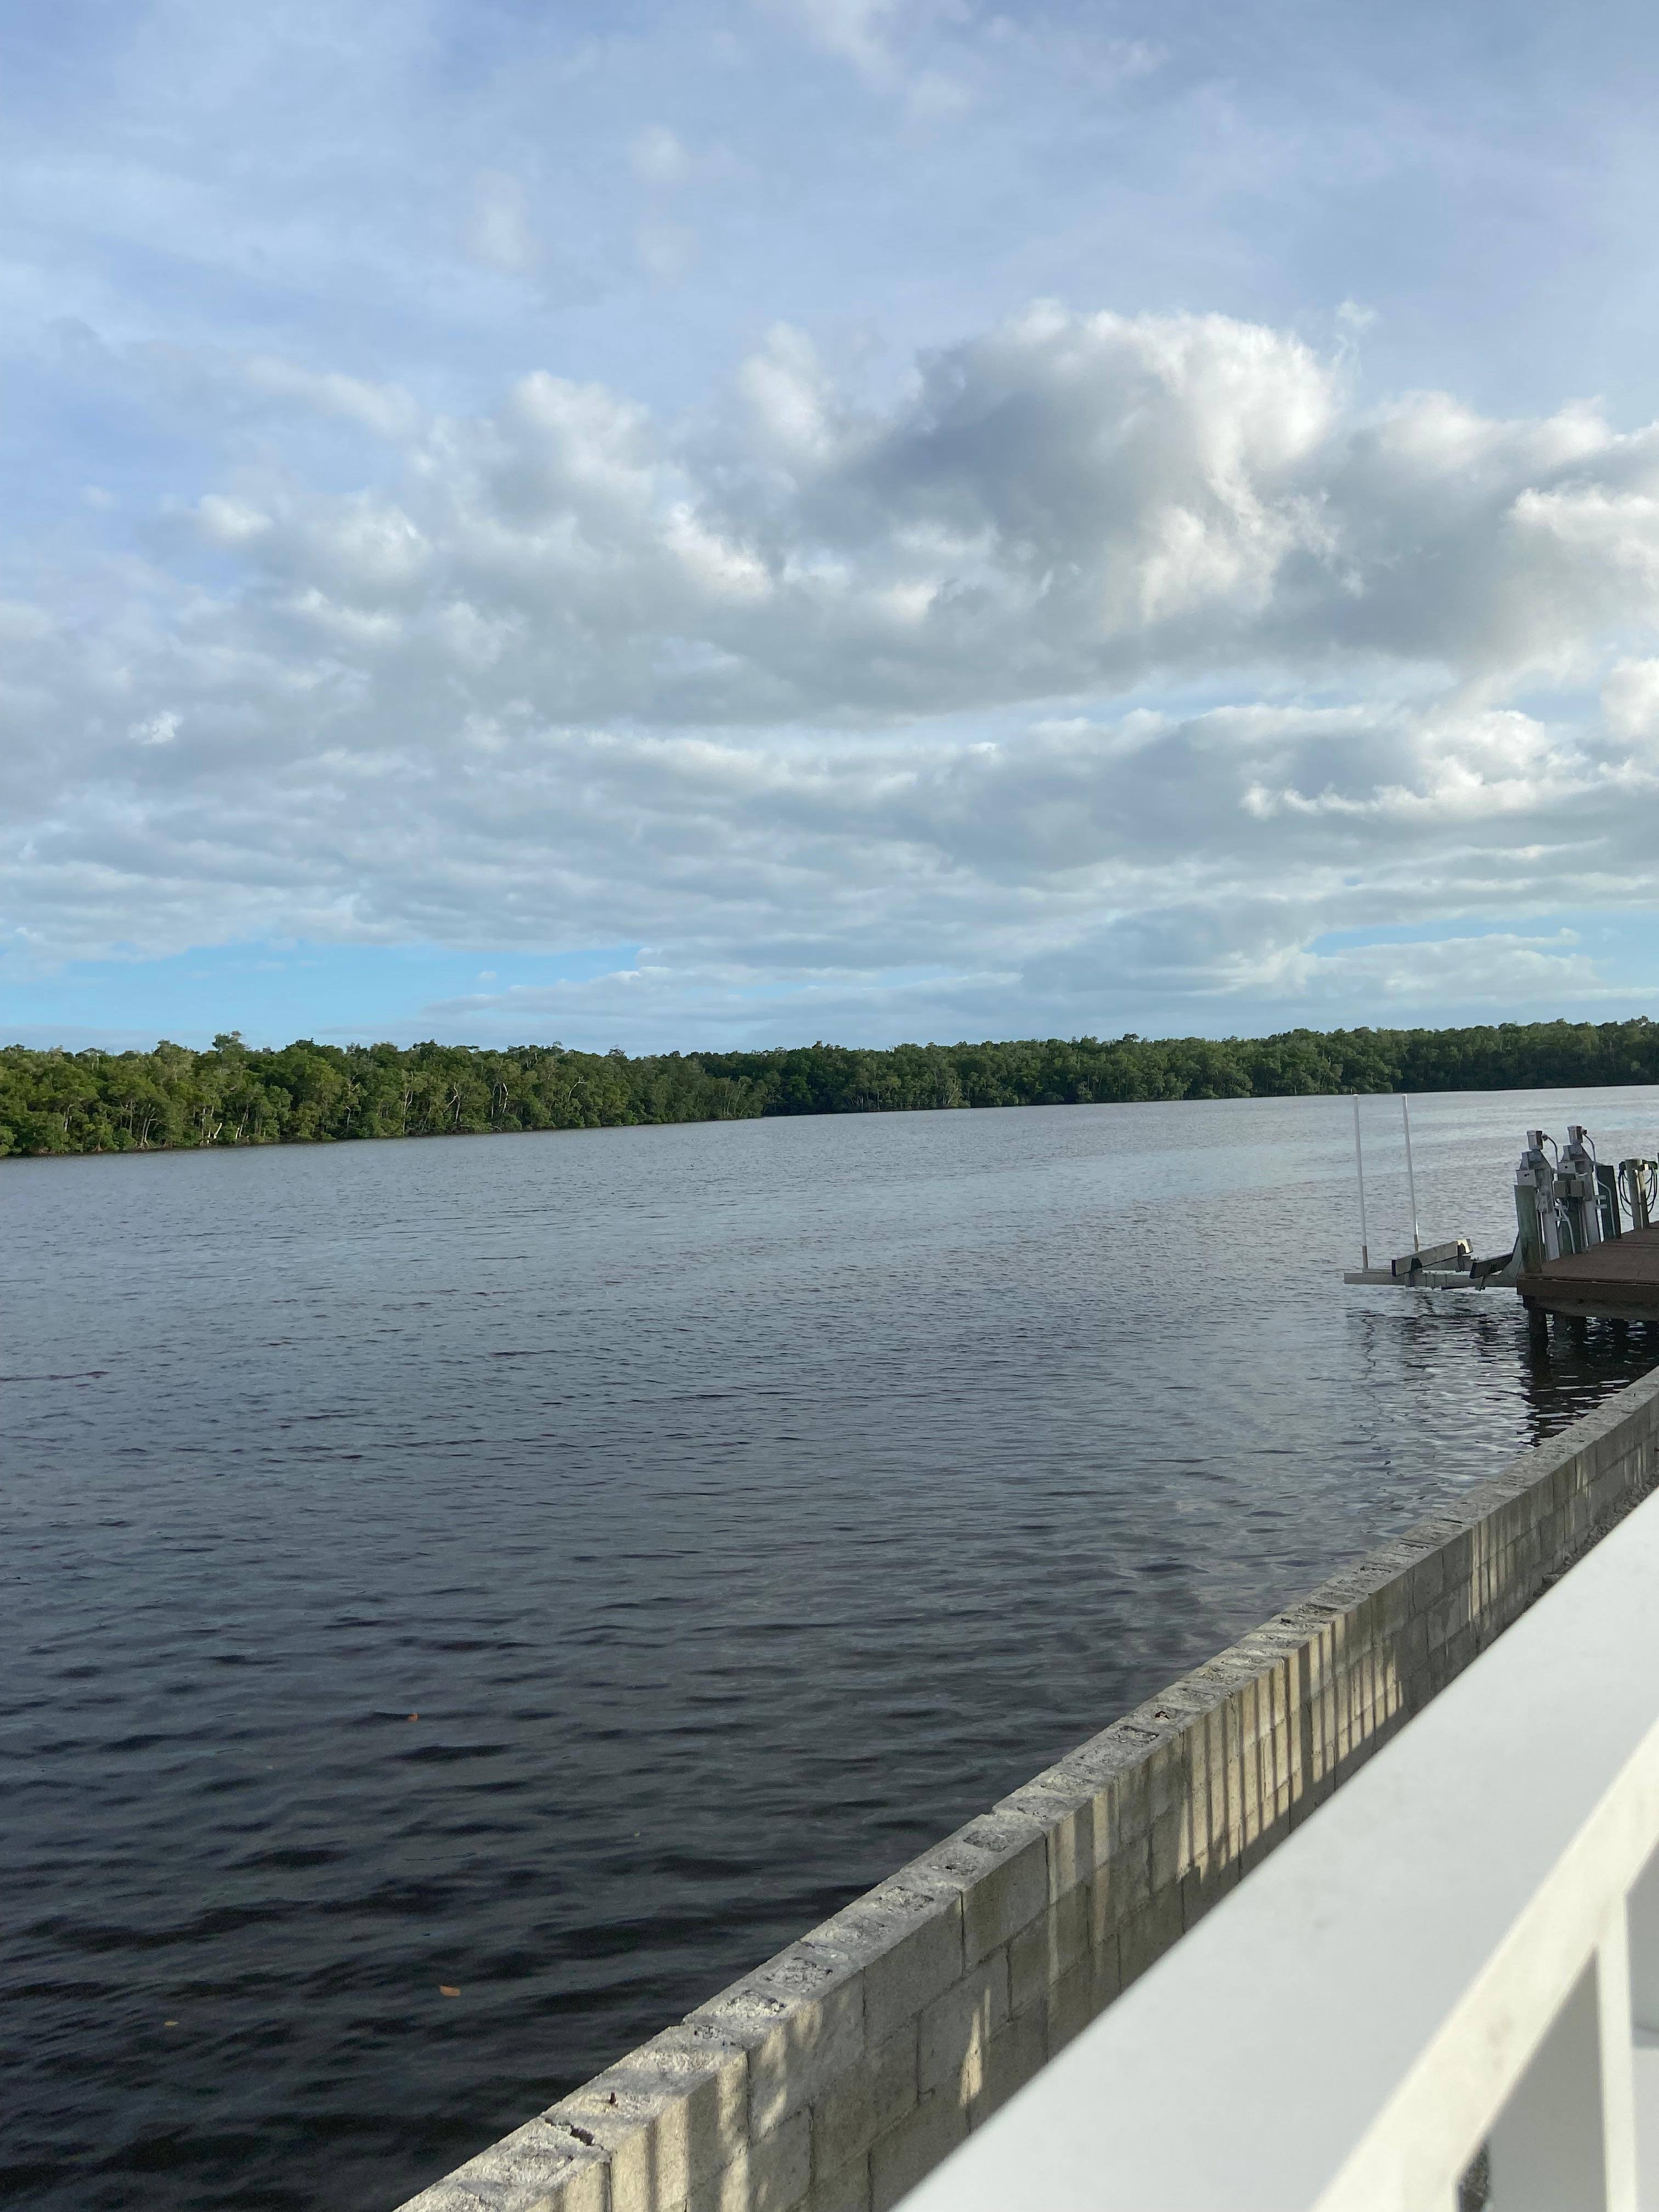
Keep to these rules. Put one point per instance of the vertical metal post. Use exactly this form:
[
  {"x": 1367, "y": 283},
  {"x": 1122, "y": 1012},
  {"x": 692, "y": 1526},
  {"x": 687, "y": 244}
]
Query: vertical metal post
[
  {"x": 1530, "y": 1236},
  {"x": 1411, "y": 1177},
  {"x": 1359, "y": 1168},
  {"x": 1631, "y": 1174}
]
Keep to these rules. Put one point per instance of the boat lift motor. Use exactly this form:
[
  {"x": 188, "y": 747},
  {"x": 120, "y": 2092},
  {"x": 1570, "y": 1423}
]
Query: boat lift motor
[
  {"x": 1577, "y": 1191},
  {"x": 1535, "y": 1214}
]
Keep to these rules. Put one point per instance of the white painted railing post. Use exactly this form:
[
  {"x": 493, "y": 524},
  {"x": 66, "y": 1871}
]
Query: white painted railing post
[
  {"x": 1546, "y": 2143},
  {"x": 1613, "y": 1985},
  {"x": 1642, "y": 1922}
]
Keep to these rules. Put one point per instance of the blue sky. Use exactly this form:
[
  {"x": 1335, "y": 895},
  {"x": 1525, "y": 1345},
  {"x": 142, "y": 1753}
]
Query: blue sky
[{"x": 670, "y": 526}]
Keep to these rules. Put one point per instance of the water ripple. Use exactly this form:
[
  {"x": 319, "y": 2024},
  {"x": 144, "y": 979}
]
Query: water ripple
[{"x": 563, "y": 1568}]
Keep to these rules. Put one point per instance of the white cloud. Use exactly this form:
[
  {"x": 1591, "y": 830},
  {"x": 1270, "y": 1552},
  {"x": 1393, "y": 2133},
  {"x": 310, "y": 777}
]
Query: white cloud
[
  {"x": 154, "y": 730},
  {"x": 501, "y": 233},
  {"x": 659, "y": 155},
  {"x": 381, "y": 409},
  {"x": 660, "y": 158},
  {"x": 666, "y": 249},
  {"x": 229, "y": 522},
  {"x": 1493, "y": 973},
  {"x": 857, "y": 31},
  {"x": 1630, "y": 700},
  {"x": 885, "y": 706}
]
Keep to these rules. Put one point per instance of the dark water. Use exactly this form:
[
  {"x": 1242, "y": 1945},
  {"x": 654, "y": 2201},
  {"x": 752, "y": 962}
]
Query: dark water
[{"x": 739, "y": 1508}]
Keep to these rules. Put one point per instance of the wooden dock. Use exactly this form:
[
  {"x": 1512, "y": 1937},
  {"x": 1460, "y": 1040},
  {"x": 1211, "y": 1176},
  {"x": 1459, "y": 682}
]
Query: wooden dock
[{"x": 1617, "y": 1281}]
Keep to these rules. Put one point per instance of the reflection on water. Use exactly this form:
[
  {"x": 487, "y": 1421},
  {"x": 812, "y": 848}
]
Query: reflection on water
[
  {"x": 1428, "y": 1350},
  {"x": 739, "y": 1508}
]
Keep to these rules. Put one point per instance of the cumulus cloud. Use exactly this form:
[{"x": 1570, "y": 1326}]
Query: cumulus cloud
[
  {"x": 1062, "y": 504},
  {"x": 1111, "y": 655}
]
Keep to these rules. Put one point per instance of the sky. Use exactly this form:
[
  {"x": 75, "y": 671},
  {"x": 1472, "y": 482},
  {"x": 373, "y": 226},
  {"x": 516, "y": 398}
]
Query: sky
[{"x": 671, "y": 526}]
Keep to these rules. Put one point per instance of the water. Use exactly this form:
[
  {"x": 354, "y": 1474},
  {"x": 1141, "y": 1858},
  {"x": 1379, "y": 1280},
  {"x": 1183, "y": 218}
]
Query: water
[{"x": 738, "y": 1507}]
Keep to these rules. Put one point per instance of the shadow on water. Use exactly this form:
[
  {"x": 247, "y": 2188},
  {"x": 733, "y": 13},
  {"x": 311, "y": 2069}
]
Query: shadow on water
[
  {"x": 1569, "y": 1368},
  {"x": 1533, "y": 1383}
]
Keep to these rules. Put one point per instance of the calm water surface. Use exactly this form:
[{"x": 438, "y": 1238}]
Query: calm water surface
[{"x": 739, "y": 1508}]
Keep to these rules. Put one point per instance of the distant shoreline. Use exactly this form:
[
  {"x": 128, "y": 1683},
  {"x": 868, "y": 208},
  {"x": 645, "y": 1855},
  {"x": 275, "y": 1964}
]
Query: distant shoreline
[{"x": 173, "y": 1099}]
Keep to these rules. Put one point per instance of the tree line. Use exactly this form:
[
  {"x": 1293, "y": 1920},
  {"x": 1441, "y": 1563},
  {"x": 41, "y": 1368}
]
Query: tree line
[{"x": 101, "y": 1101}]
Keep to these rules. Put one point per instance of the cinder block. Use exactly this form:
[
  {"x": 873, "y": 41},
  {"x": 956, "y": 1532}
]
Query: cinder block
[
  {"x": 1411, "y": 1652},
  {"x": 670, "y": 2115},
  {"x": 1106, "y": 1964},
  {"x": 771, "y": 2175},
  {"x": 846, "y": 2191},
  {"x": 1123, "y": 1887},
  {"x": 541, "y": 2165},
  {"x": 1123, "y": 1881},
  {"x": 1071, "y": 2003},
  {"x": 1054, "y": 1943},
  {"x": 1244, "y": 1777},
  {"x": 1272, "y": 1781},
  {"x": 1208, "y": 1792},
  {"x": 1014, "y": 1887},
  {"x": 800, "y": 2018},
  {"x": 1075, "y": 1821},
  {"x": 922, "y": 2140},
  {"x": 956, "y": 2028},
  {"x": 1456, "y": 1561},
  {"x": 1260, "y": 1749},
  {"x": 1454, "y": 1612},
  {"x": 1168, "y": 1832},
  {"x": 907, "y": 1933},
  {"x": 1148, "y": 1934},
  {"x": 1202, "y": 1888},
  {"x": 1128, "y": 1797},
  {"x": 1427, "y": 1578},
  {"x": 1102, "y": 1757},
  {"x": 1081, "y": 1843},
  {"x": 872, "y": 2098},
  {"x": 1320, "y": 1653},
  {"x": 1396, "y": 1597},
  {"x": 1281, "y": 1684},
  {"x": 1322, "y": 1746},
  {"x": 1166, "y": 1768},
  {"x": 1305, "y": 1768},
  {"x": 1357, "y": 1688},
  {"x": 1010, "y": 2060}
]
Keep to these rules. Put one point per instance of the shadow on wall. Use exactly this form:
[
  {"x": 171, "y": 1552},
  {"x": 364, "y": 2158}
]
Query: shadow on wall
[{"x": 836, "y": 2076}]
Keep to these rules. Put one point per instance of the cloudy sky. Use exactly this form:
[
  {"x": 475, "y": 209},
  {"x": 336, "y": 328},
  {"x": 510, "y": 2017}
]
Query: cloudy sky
[{"x": 733, "y": 522}]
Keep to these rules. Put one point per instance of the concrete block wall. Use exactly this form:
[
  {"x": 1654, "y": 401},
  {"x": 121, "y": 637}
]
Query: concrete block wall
[{"x": 835, "y": 2076}]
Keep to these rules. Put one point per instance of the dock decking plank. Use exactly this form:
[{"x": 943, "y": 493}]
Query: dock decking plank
[{"x": 1620, "y": 1280}]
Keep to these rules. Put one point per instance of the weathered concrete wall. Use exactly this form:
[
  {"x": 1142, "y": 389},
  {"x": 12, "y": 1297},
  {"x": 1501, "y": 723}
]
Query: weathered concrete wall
[{"x": 832, "y": 2078}]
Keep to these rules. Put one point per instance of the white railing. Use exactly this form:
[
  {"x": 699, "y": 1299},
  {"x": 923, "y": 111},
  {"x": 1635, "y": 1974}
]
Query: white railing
[{"x": 1446, "y": 1983}]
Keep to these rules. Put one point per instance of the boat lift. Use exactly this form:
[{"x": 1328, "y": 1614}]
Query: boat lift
[
  {"x": 1568, "y": 1204},
  {"x": 1445, "y": 1266}
]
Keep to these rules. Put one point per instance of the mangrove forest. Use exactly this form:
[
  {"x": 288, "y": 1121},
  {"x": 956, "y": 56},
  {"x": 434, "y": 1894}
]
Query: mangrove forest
[{"x": 309, "y": 1093}]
